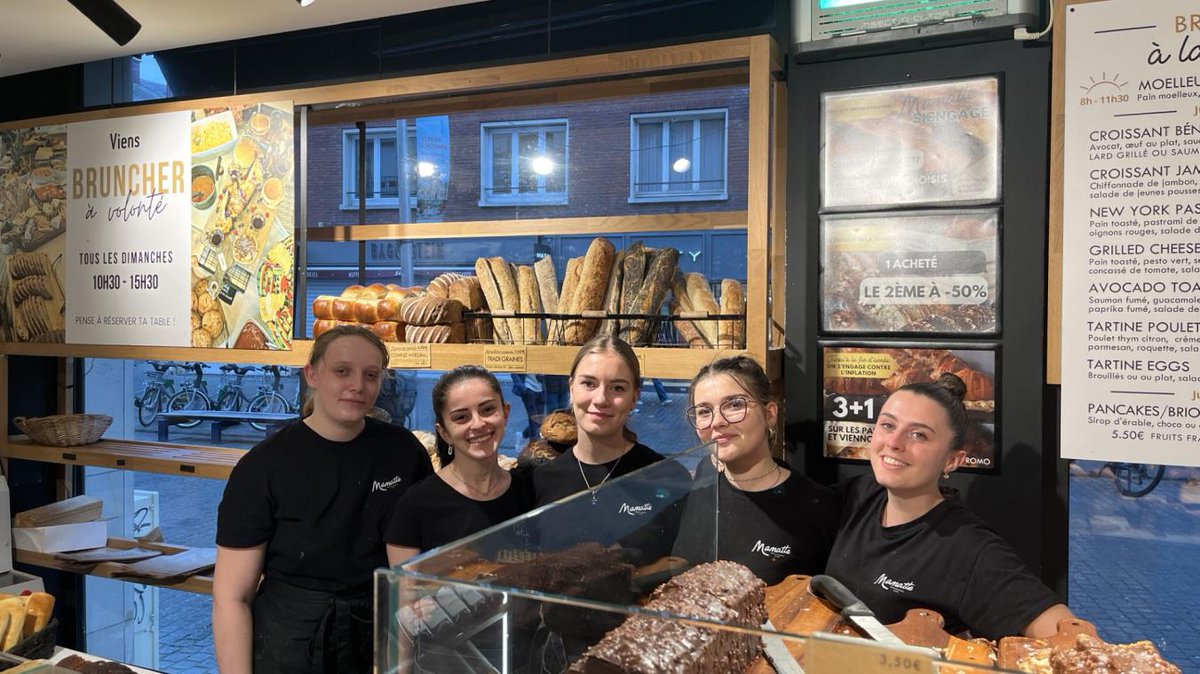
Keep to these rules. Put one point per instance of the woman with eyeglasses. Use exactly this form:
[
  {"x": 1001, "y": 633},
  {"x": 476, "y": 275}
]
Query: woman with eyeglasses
[
  {"x": 902, "y": 544},
  {"x": 604, "y": 386},
  {"x": 772, "y": 519}
]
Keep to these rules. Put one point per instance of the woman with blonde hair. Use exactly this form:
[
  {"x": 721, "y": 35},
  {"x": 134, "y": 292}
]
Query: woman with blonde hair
[
  {"x": 768, "y": 517},
  {"x": 305, "y": 511}
]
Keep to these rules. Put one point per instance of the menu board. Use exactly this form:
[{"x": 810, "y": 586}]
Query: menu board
[
  {"x": 914, "y": 272},
  {"x": 857, "y": 380},
  {"x": 33, "y": 218},
  {"x": 180, "y": 230},
  {"x": 1131, "y": 233},
  {"x": 929, "y": 143}
]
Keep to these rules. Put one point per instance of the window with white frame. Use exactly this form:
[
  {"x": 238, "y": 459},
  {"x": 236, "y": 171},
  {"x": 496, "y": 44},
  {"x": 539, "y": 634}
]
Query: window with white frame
[
  {"x": 523, "y": 163},
  {"x": 382, "y": 170},
  {"x": 678, "y": 156}
]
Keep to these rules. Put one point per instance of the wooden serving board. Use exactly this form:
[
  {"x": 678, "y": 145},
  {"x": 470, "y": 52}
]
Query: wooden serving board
[
  {"x": 1015, "y": 649},
  {"x": 55, "y": 307}
]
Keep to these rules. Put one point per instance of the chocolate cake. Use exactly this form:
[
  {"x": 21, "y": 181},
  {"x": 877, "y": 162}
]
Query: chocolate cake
[{"x": 722, "y": 591}]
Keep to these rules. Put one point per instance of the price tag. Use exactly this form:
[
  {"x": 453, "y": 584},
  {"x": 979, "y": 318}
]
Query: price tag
[
  {"x": 504, "y": 358},
  {"x": 833, "y": 654},
  {"x": 409, "y": 356}
]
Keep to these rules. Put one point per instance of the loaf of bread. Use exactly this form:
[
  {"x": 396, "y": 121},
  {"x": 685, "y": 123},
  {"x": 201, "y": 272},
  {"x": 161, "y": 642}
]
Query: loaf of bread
[
  {"x": 323, "y": 306},
  {"x": 435, "y": 334},
  {"x": 547, "y": 284},
  {"x": 566, "y": 300},
  {"x": 466, "y": 290},
  {"x": 589, "y": 296},
  {"x": 688, "y": 332},
  {"x": 510, "y": 299},
  {"x": 38, "y": 609},
  {"x": 531, "y": 303},
  {"x": 440, "y": 286},
  {"x": 323, "y": 325},
  {"x": 430, "y": 310},
  {"x": 491, "y": 293},
  {"x": 388, "y": 308},
  {"x": 679, "y": 292},
  {"x": 634, "y": 262},
  {"x": 612, "y": 296},
  {"x": 396, "y": 293},
  {"x": 367, "y": 311},
  {"x": 703, "y": 300},
  {"x": 375, "y": 291},
  {"x": 389, "y": 331},
  {"x": 12, "y": 613},
  {"x": 343, "y": 308},
  {"x": 649, "y": 298},
  {"x": 731, "y": 332}
]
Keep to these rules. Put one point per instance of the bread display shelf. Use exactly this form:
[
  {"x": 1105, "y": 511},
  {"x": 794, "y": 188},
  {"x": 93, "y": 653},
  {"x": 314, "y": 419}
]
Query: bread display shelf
[
  {"x": 622, "y": 224},
  {"x": 662, "y": 363},
  {"x": 147, "y": 457},
  {"x": 656, "y": 324},
  {"x": 200, "y": 584}
]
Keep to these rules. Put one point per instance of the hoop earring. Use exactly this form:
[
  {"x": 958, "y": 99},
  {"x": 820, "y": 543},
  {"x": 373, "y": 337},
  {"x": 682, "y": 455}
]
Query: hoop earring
[{"x": 449, "y": 450}]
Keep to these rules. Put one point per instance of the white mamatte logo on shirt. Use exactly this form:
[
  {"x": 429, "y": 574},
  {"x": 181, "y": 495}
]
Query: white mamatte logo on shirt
[
  {"x": 635, "y": 510},
  {"x": 384, "y": 486},
  {"x": 770, "y": 551},
  {"x": 893, "y": 585}
]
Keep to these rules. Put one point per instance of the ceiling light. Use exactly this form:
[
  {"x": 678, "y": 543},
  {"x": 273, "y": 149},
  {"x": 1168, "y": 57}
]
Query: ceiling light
[
  {"x": 543, "y": 165},
  {"x": 425, "y": 169},
  {"x": 110, "y": 18},
  {"x": 305, "y": 3},
  {"x": 681, "y": 165}
]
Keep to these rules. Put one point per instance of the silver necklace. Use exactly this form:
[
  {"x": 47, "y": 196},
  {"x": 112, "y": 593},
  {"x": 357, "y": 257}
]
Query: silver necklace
[{"x": 590, "y": 488}]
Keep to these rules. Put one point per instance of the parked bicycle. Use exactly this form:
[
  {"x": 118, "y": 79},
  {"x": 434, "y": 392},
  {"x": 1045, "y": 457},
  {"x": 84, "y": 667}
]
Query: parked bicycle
[
  {"x": 232, "y": 397},
  {"x": 270, "y": 397},
  {"x": 1136, "y": 479},
  {"x": 193, "y": 395},
  {"x": 158, "y": 389}
]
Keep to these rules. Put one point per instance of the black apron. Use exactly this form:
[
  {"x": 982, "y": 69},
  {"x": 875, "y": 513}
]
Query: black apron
[{"x": 302, "y": 631}]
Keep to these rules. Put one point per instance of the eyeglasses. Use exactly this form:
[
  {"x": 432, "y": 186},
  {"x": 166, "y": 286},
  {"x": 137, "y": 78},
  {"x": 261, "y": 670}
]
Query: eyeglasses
[{"x": 732, "y": 411}]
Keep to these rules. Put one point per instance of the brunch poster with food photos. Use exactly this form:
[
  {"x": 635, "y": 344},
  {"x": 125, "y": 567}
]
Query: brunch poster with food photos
[
  {"x": 33, "y": 219},
  {"x": 858, "y": 380},
  {"x": 243, "y": 215},
  {"x": 927, "y": 143},
  {"x": 128, "y": 199}
]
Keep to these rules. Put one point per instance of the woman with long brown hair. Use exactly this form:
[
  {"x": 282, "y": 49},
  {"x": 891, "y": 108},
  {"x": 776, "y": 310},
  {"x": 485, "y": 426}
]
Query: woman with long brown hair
[{"x": 305, "y": 510}]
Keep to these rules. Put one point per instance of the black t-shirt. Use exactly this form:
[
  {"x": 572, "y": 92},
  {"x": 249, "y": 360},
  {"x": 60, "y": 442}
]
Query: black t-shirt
[
  {"x": 947, "y": 560},
  {"x": 642, "y": 513},
  {"x": 321, "y": 506},
  {"x": 433, "y": 513},
  {"x": 776, "y": 532}
]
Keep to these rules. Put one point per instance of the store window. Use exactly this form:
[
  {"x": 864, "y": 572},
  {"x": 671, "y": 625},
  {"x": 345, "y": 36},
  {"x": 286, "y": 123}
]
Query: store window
[
  {"x": 523, "y": 163},
  {"x": 678, "y": 156},
  {"x": 382, "y": 168}
]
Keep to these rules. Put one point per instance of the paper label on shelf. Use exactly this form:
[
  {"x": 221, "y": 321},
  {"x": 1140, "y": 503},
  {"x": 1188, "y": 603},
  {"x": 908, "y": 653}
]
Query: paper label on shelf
[
  {"x": 834, "y": 656},
  {"x": 409, "y": 356},
  {"x": 505, "y": 358}
]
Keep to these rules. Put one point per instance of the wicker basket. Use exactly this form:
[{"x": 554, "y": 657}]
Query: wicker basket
[{"x": 65, "y": 430}]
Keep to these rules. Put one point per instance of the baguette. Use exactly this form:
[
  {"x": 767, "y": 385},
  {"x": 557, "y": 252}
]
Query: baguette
[
  {"x": 531, "y": 303},
  {"x": 650, "y": 297},
  {"x": 731, "y": 332},
  {"x": 703, "y": 300},
  {"x": 634, "y": 264},
  {"x": 491, "y": 293},
  {"x": 547, "y": 284},
  {"x": 510, "y": 299},
  {"x": 612, "y": 297},
  {"x": 589, "y": 296},
  {"x": 688, "y": 332},
  {"x": 679, "y": 291},
  {"x": 38, "y": 610},
  {"x": 14, "y": 610},
  {"x": 566, "y": 301}
]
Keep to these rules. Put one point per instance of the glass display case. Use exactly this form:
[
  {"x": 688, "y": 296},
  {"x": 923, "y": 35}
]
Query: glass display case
[{"x": 595, "y": 583}]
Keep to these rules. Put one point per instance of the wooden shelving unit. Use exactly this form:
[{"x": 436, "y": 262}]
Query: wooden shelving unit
[
  {"x": 147, "y": 457},
  {"x": 200, "y": 584}
]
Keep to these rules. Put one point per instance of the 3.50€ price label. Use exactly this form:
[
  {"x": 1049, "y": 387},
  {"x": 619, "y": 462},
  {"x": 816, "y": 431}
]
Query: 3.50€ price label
[{"x": 833, "y": 654}]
